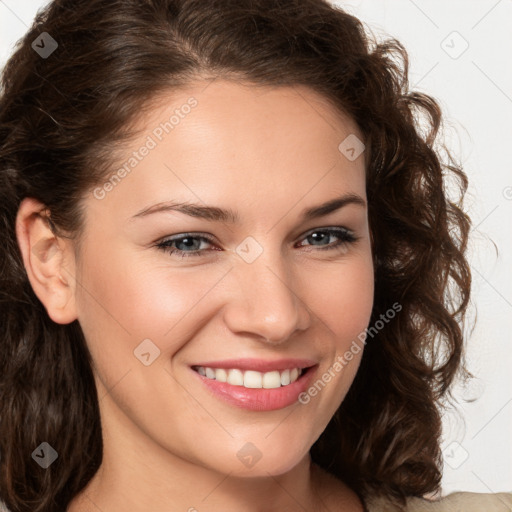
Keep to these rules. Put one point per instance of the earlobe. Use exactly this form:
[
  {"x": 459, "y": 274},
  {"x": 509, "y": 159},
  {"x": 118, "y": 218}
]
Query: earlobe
[{"x": 48, "y": 261}]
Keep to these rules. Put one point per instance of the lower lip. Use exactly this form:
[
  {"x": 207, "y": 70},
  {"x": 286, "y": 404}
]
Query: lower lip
[{"x": 259, "y": 399}]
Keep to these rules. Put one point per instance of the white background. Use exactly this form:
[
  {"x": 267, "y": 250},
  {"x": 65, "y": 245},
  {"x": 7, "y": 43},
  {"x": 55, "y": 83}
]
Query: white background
[{"x": 474, "y": 89}]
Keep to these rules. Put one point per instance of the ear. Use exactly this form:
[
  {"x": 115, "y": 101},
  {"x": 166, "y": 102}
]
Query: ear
[{"x": 49, "y": 261}]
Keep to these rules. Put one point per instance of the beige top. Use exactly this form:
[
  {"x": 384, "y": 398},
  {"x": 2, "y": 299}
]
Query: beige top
[{"x": 455, "y": 502}]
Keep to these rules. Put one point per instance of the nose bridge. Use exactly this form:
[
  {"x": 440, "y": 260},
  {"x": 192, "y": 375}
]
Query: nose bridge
[{"x": 266, "y": 304}]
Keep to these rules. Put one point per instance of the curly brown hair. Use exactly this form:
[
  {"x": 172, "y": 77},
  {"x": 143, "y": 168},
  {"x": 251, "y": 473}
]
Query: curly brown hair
[{"x": 61, "y": 117}]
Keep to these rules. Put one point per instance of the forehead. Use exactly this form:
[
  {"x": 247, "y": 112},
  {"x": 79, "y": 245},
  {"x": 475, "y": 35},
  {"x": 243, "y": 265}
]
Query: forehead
[
  {"x": 220, "y": 140},
  {"x": 247, "y": 105},
  {"x": 236, "y": 120}
]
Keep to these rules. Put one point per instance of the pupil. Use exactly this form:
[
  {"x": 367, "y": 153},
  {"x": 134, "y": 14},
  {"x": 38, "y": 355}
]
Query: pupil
[
  {"x": 189, "y": 242},
  {"x": 316, "y": 236}
]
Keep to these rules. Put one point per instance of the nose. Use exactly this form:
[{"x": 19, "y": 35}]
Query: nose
[{"x": 265, "y": 305}]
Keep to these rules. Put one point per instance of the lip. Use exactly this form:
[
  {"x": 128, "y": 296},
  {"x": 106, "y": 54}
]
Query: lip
[{"x": 259, "y": 399}]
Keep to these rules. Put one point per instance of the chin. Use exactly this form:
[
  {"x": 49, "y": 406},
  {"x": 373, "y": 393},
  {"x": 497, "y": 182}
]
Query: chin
[{"x": 253, "y": 460}]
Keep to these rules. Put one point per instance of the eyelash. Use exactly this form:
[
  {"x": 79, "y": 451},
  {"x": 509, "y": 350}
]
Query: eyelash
[{"x": 345, "y": 236}]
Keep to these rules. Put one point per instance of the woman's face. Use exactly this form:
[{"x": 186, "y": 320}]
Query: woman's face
[{"x": 266, "y": 292}]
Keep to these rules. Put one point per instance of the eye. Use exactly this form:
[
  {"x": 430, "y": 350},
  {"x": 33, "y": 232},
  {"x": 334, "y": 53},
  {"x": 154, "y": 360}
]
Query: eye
[
  {"x": 189, "y": 244},
  {"x": 344, "y": 236},
  {"x": 187, "y": 241}
]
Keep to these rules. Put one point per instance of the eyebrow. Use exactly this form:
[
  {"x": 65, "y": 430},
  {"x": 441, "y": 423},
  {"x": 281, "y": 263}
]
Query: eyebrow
[{"x": 214, "y": 213}]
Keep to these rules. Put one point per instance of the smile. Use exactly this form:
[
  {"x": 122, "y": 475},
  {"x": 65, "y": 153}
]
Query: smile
[
  {"x": 254, "y": 384},
  {"x": 250, "y": 378}
]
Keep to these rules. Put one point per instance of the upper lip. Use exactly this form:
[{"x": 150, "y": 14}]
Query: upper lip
[{"x": 259, "y": 365}]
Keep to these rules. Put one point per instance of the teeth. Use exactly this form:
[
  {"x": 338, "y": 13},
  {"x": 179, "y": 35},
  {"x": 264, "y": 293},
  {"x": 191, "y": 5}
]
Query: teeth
[
  {"x": 253, "y": 379},
  {"x": 235, "y": 378},
  {"x": 285, "y": 378},
  {"x": 221, "y": 375},
  {"x": 250, "y": 378},
  {"x": 271, "y": 380}
]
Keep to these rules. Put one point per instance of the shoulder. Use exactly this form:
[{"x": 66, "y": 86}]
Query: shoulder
[{"x": 455, "y": 502}]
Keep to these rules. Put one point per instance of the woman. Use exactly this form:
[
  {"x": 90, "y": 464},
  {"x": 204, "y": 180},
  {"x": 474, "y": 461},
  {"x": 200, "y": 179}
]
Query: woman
[{"x": 226, "y": 262}]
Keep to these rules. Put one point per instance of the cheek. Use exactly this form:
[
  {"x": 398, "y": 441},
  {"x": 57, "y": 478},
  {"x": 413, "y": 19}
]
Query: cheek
[
  {"x": 356, "y": 292},
  {"x": 343, "y": 303},
  {"x": 343, "y": 299},
  {"x": 120, "y": 306}
]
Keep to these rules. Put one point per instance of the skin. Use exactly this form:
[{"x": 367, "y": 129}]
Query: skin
[{"x": 267, "y": 153}]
